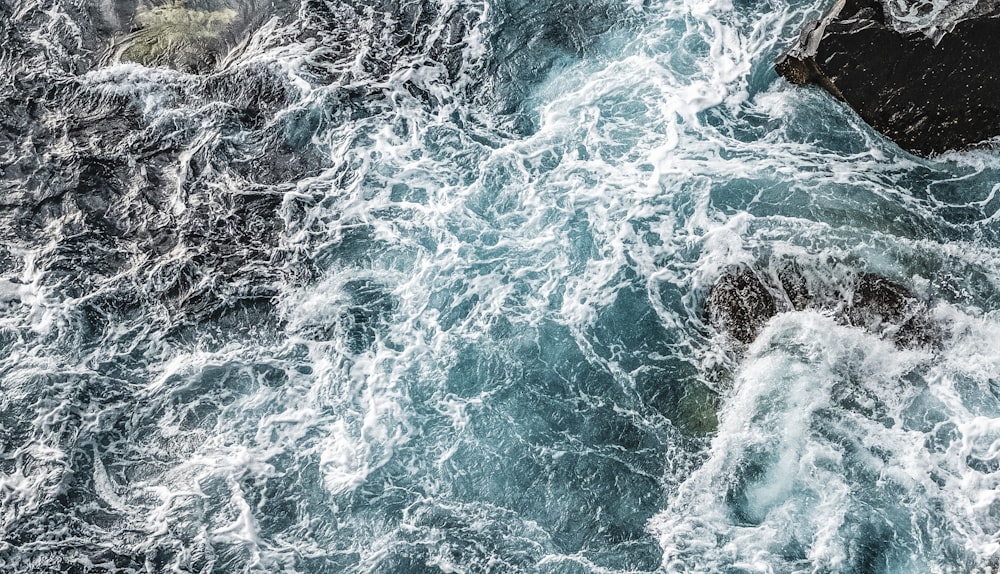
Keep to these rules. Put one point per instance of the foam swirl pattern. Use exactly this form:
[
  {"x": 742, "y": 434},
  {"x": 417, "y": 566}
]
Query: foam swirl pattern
[{"x": 417, "y": 286}]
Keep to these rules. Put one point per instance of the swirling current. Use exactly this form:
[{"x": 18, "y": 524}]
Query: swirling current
[{"x": 404, "y": 286}]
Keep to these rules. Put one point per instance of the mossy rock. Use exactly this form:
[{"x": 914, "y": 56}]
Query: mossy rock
[{"x": 179, "y": 37}]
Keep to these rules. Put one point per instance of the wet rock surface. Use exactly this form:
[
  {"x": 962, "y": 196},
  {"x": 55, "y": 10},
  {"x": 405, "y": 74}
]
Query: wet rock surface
[
  {"x": 884, "y": 306},
  {"x": 740, "y": 304},
  {"x": 927, "y": 97},
  {"x": 794, "y": 284},
  {"x": 743, "y": 300}
]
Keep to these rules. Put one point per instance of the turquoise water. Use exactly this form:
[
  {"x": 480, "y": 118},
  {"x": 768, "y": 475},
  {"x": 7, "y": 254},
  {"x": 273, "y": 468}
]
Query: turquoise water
[{"x": 419, "y": 287}]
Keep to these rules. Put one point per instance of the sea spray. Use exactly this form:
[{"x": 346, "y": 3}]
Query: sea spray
[{"x": 418, "y": 286}]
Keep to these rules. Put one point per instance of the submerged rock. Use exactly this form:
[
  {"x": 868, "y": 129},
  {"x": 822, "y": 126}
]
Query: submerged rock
[
  {"x": 697, "y": 409},
  {"x": 177, "y": 36},
  {"x": 929, "y": 97},
  {"x": 740, "y": 304}
]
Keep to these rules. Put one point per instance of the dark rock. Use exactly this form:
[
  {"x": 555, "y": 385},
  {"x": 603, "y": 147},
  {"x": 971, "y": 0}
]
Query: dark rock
[
  {"x": 886, "y": 307},
  {"x": 919, "y": 331},
  {"x": 927, "y": 97},
  {"x": 876, "y": 301},
  {"x": 742, "y": 301},
  {"x": 793, "y": 282},
  {"x": 740, "y": 304}
]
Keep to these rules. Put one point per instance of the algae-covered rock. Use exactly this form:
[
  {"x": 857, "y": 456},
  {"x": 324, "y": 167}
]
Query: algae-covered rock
[{"x": 177, "y": 36}]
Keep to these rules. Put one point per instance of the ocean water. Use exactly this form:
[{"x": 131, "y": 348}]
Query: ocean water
[{"x": 413, "y": 286}]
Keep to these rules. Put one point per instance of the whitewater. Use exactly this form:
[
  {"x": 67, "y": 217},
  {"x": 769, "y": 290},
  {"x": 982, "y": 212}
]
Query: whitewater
[{"x": 407, "y": 286}]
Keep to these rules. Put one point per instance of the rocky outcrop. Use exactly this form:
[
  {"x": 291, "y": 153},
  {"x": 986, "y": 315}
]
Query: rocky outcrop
[
  {"x": 894, "y": 312},
  {"x": 929, "y": 97},
  {"x": 886, "y": 307},
  {"x": 740, "y": 304},
  {"x": 743, "y": 300}
]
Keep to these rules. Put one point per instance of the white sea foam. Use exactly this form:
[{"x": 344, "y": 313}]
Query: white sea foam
[
  {"x": 779, "y": 489},
  {"x": 454, "y": 288}
]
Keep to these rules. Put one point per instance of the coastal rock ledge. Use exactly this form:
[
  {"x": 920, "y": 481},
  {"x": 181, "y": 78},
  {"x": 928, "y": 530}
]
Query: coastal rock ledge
[{"x": 928, "y": 96}]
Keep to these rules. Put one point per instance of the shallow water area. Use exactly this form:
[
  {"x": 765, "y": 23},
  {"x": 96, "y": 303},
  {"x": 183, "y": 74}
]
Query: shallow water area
[{"x": 419, "y": 287}]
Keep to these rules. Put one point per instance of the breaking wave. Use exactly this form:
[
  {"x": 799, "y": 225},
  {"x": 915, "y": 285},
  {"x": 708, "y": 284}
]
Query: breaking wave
[{"x": 408, "y": 286}]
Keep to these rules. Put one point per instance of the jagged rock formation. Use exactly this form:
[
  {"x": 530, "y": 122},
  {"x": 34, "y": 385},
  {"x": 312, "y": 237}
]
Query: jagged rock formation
[
  {"x": 886, "y": 307},
  {"x": 929, "y": 97},
  {"x": 740, "y": 304},
  {"x": 743, "y": 300}
]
